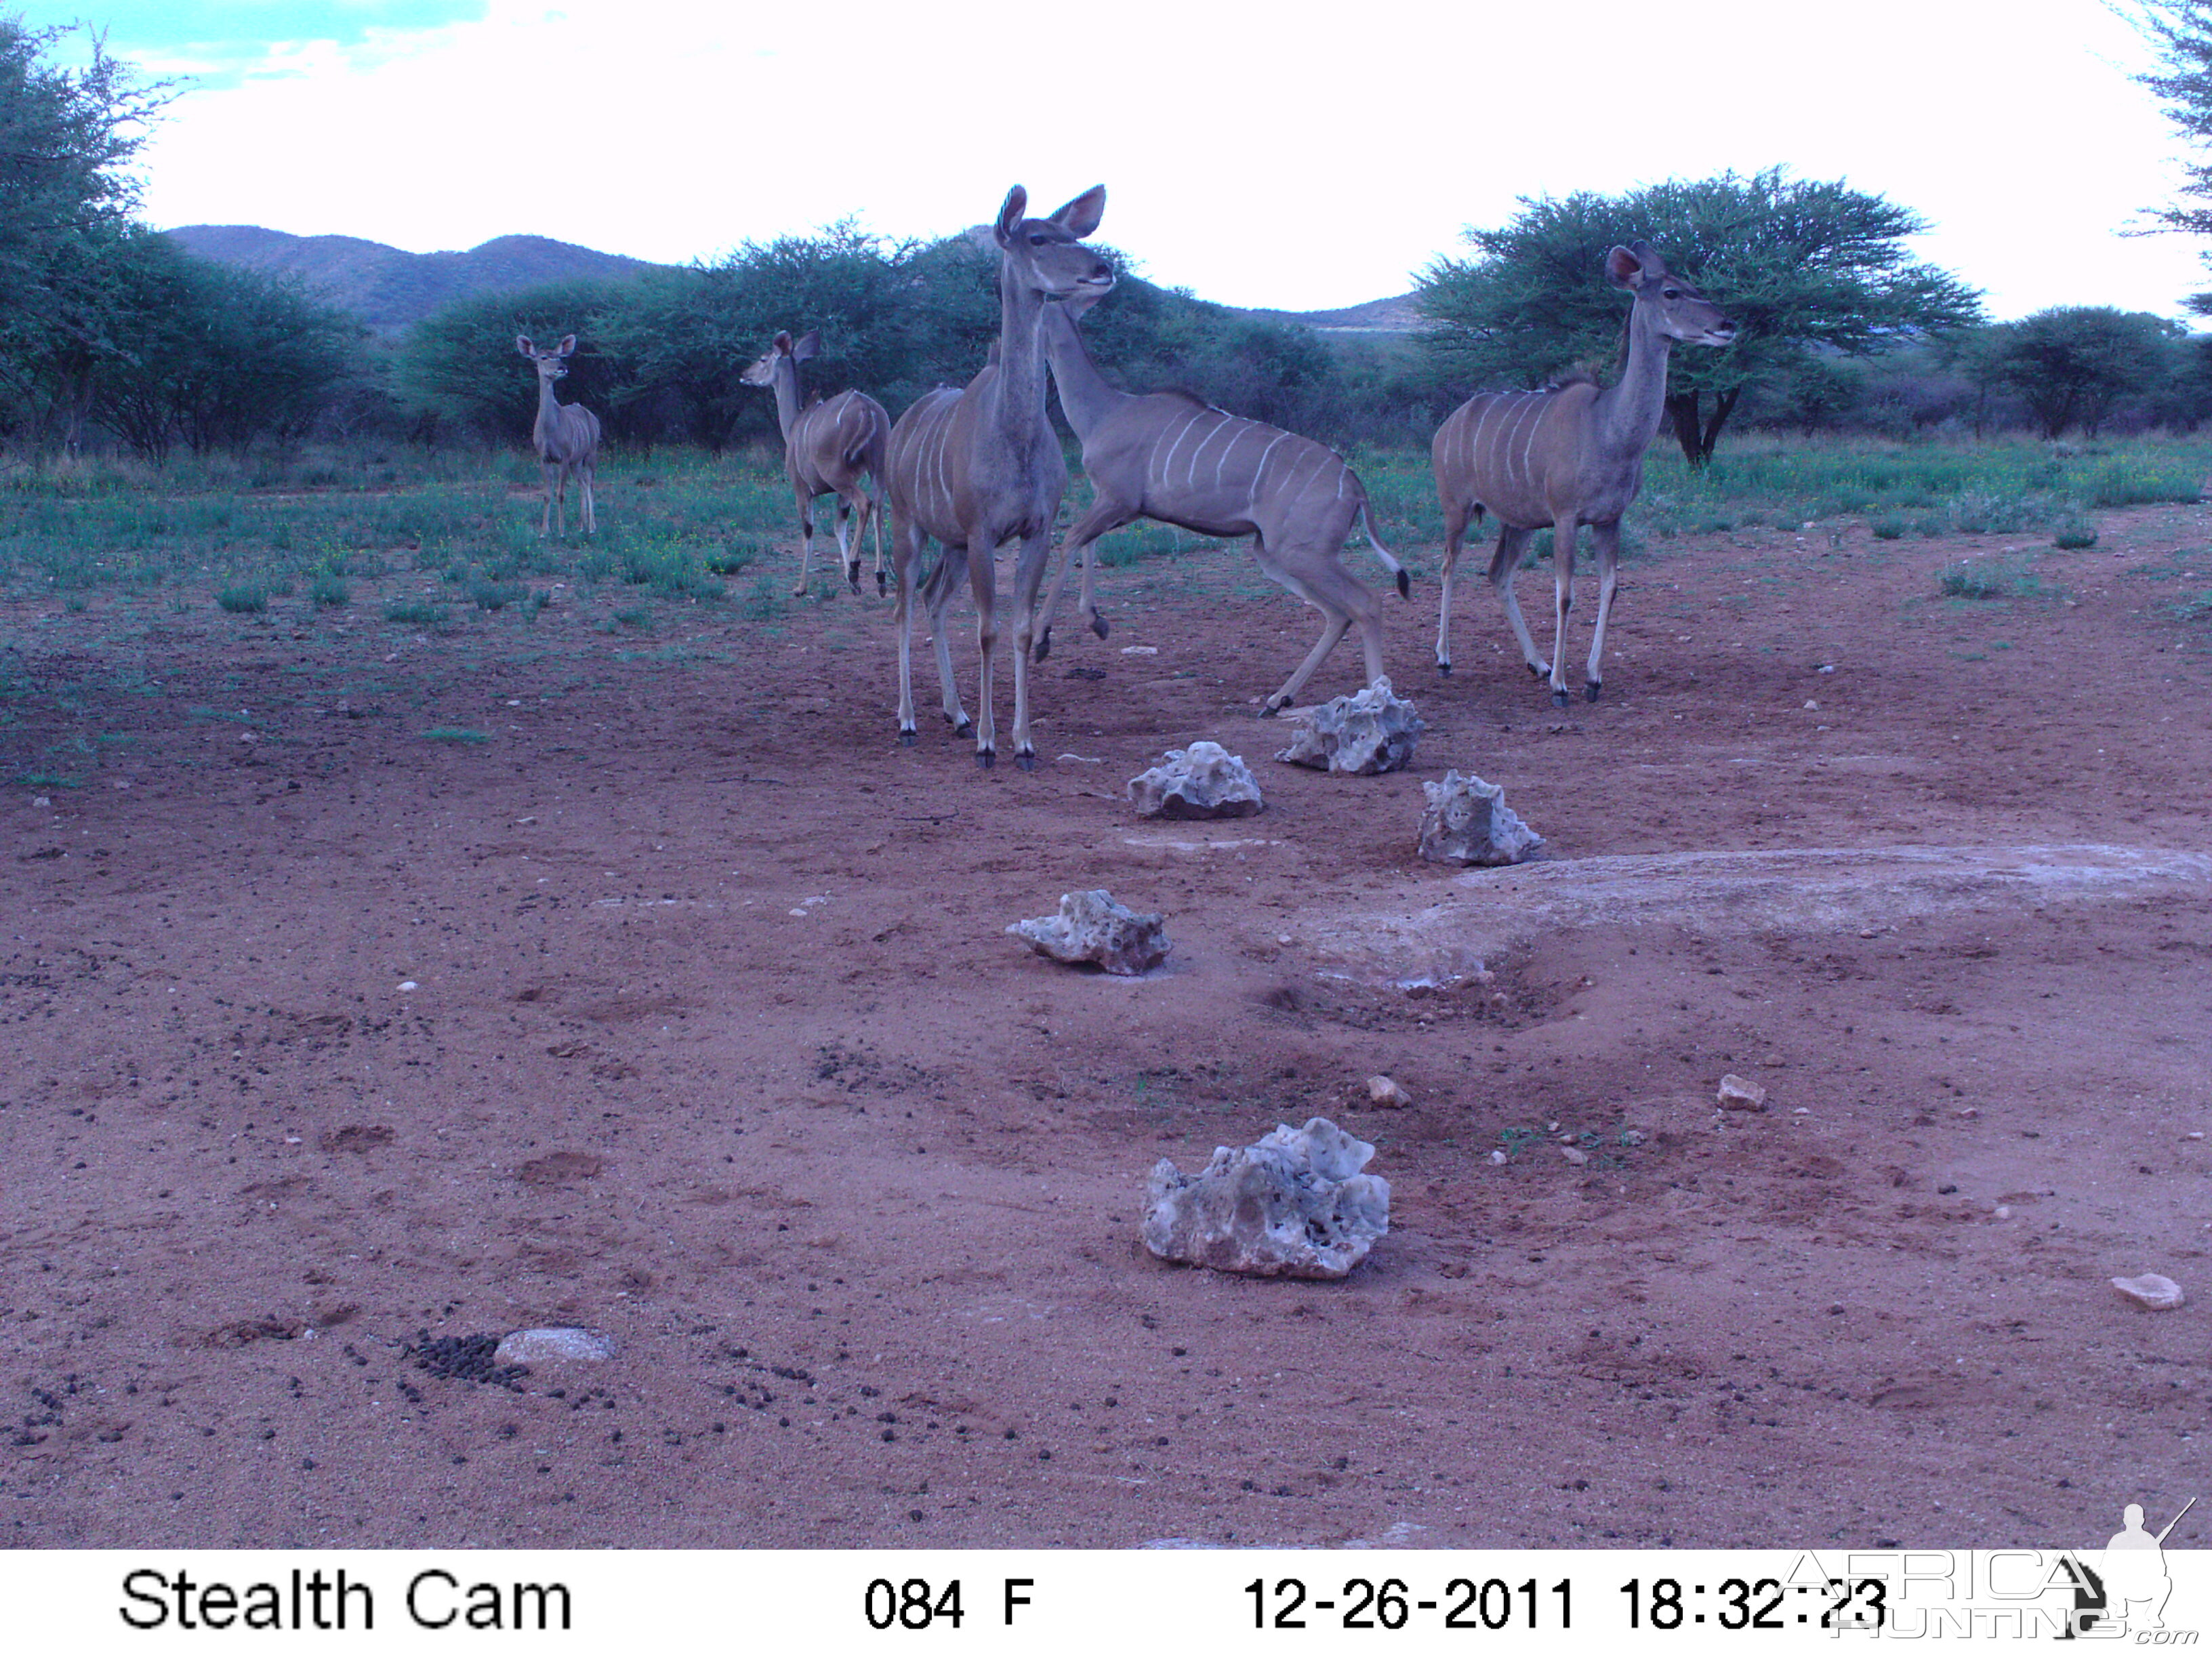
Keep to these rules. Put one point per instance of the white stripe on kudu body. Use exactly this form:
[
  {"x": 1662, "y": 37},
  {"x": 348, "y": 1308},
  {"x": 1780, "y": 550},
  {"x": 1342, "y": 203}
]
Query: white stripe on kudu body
[
  {"x": 1296, "y": 500},
  {"x": 1565, "y": 457}
]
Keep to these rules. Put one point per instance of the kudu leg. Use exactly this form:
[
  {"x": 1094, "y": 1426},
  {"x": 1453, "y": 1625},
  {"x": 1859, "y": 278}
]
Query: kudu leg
[
  {"x": 906, "y": 554},
  {"x": 876, "y": 512},
  {"x": 952, "y": 565},
  {"x": 1341, "y": 599},
  {"x": 1029, "y": 576},
  {"x": 1455, "y": 518},
  {"x": 1563, "y": 601},
  {"x": 1104, "y": 518},
  {"x": 982, "y": 582},
  {"x": 585, "y": 477},
  {"x": 847, "y": 555},
  {"x": 550, "y": 470},
  {"x": 806, "y": 538},
  {"x": 1605, "y": 549},
  {"x": 1512, "y": 542}
]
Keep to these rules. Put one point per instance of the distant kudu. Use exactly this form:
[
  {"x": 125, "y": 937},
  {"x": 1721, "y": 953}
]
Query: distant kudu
[
  {"x": 980, "y": 467},
  {"x": 567, "y": 435},
  {"x": 1166, "y": 455},
  {"x": 827, "y": 448},
  {"x": 1567, "y": 456}
]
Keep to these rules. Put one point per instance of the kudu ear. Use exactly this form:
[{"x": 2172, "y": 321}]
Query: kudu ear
[
  {"x": 1010, "y": 215},
  {"x": 567, "y": 348},
  {"x": 522, "y": 345},
  {"x": 781, "y": 343},
  {"x": 1624, "y": 270},
  {"x": 809, "y": 346},
  {"x": 1081, "y": 216}
]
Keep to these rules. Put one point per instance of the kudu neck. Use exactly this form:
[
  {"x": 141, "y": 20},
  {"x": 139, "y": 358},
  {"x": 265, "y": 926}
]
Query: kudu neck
[
  {"x": 1021, "y": 365},
  {"x": 1085, "y": 397},
  {"x": 1630, "y": 408},
  {"x": 783, "y": 379}
]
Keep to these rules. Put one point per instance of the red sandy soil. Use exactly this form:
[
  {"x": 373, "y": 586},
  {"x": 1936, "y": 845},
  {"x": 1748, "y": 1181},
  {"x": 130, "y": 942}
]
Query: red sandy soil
[{"x": 718, "y": 1047}]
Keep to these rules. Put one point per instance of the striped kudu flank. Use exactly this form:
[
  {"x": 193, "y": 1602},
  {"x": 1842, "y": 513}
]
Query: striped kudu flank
[
  {"x": 980, "y": 467},
  {"x": 1567, "y": 456},
  {"x": 566, "y": 435},
  {"x": 828, "y": 447},
  {"x": 1166, "y": 455}
]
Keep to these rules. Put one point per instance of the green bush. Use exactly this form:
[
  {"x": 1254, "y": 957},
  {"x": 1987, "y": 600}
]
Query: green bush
[
  {"x": 414, "y": 613},
  {"x": 329, "y": 592},
  {"x": 251, "y": 599}
]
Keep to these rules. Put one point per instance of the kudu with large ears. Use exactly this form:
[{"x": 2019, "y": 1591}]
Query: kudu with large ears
[
  {"x": 1567, "y": 456},
  {"x": 566, "y": 435},
  {"x": 829, "y": 448},
  {"x": 979, "y": 467}
]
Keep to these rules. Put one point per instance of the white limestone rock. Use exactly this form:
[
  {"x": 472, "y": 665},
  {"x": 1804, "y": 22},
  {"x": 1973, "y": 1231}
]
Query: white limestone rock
[
  {"x": 553, "y": 1345},
  {"x": 1740, "y": 1094},
  {"x": 1369, "y": 731},
  {"x": 1294, "y": 1205},
  {"x": 1093, "y": 928},
  {"x": 2153, "y": 1290},
  {"x": 1202, "y": 782},
  {"x": 1467, "y": 821}
]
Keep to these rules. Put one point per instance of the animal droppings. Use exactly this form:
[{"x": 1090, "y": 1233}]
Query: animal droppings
[
  {"x": 1202, "y": 782},
  {"x": 1467, "y": 821},
  {"x": 1093, "y": 927},
  {"x": 1742, "y": 1095},
  {"x": 1369, "y": 732},
  {"x": 2153, "y": 1290},
  {"x": 1293, "y": 1205}
]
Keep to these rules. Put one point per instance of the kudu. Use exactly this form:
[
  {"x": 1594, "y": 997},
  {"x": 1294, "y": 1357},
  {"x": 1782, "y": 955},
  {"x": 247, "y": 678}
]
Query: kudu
[
  {"x": 1166, "y": 455},
  {"x": 1567, "y": 456},
  {"x": 567, "y": 435},
  {"x": 827, "y": 448},
  {"x": 982, "y": 466}
]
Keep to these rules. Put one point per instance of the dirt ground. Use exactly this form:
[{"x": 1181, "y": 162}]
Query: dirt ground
[{"x": 715, "y": 1043}]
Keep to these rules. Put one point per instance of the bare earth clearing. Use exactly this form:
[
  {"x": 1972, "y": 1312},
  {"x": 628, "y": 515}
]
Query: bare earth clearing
[{"x": 718, "y": 1047}]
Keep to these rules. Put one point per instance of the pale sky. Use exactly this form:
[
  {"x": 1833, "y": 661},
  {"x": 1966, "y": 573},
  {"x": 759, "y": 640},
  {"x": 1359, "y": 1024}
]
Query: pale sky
[{"x": 1280, "y": 156}]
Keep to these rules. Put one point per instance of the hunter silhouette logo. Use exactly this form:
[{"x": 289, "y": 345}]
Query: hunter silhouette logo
[{"x": 2134, "y": 1582}]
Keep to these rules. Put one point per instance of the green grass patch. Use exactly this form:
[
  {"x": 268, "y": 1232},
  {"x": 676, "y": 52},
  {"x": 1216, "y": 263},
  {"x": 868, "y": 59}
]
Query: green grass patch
[
  {"x": 328, "y": 592},
  {"x": 250, "y": 599},
  {"x": 414, "y": 613},
  {"x": 457, "y": 734}
]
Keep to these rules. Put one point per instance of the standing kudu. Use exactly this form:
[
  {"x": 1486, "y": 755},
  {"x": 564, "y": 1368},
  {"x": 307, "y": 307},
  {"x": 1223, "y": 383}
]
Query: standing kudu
[
  {"x": 1567, "y": 456},
  {"x": 1167, "y": 456},
  {"x": 827, "y": 448},
  {"x": 567, "y": 435},
  {"x": 980, "y": 467}
]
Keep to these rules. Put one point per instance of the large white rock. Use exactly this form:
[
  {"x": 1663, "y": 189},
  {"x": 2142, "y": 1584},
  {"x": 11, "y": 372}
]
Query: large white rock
[
  {"x": 1467, "y": 821},
  {"x": 1202, "y": 782},
  {"x": 1370, "y": 731},
  {"x": 553, "y": 1345},
  {"x": 1093, "y": 927},
  {"x": 1294, "y": 1205}
]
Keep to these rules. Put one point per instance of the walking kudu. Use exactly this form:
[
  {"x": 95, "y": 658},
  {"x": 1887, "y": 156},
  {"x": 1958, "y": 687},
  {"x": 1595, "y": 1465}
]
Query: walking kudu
[
  {"x": 1567, "y": 456},
  {"x": 979, "y": 467},
  {"x": 567, "y": 435},
  {"x": 828, "y": 446},
  {"x": 1166, "y": 455}
]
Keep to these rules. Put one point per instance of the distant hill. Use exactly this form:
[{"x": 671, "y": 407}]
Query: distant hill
[{"x": 388, "y": 288}]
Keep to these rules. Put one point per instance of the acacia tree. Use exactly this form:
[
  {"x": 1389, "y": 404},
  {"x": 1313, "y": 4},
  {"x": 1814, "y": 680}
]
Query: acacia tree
[
  {"x": 2071, "y": 364},
  {"x": 1800, "y": 265},
  {"x": 2180, "y": 32}
]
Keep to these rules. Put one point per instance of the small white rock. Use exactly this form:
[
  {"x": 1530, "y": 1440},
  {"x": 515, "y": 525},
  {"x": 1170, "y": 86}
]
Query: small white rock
[
  {"x": 1385, "y": 1091},
  {"x": 1574, "y": 1154},
  {"x": 1140, "y": 651},
  {"x": 1810, "y": 703},
  {"x": 1497, "y": 1156},
  {"x": 409, "y": 985},
  {"x": 2151, "y": 1290},
  {"x": 42, "y": 800},
  {"x": 550, "y": 1345},
  {"x": 2005, "y": 1212},
  {"x": 1742, "y": 1095}
]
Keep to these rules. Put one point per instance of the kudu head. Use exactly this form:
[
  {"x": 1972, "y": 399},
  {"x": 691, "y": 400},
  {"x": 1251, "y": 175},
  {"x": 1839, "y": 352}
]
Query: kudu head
[
  {"x": 551, "y": 365},
  {"x": 782, "y": 350},
  {"x": 1672, "y": 306},
  {"x": 1047, "y": 256}
]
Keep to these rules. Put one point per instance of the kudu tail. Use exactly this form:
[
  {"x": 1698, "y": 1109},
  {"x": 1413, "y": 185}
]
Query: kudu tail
[{"x": 1383, "y": 553}]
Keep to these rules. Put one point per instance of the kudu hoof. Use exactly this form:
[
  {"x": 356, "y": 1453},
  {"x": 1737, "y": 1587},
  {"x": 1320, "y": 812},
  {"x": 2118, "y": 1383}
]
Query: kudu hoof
[
  {"x": 1099, "y": 625},
  {"x": 883, "y": 586},
  {"x": 986, "y": 759},
  {"x": 907, "y": 738},
  {"x": 1540, "y": 671},
  {"x": 1593, "y": 689},
  {"x": 1026, "y": 760},
  {"x": 1444, "y": 669},
  {"x": 1558, "y": 700},
  {"x": 962, "y": 728},
  {"x": 1043, "y": 647},
  {"x": 1404, "y": 585},
  {"x": 1269, "y": 710}
]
